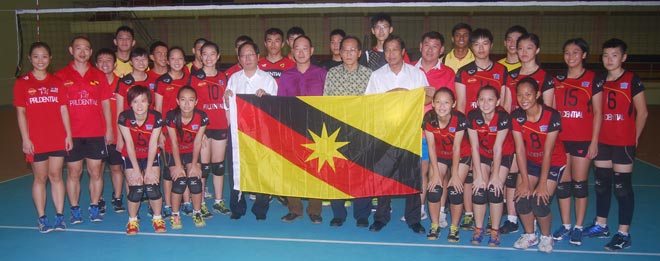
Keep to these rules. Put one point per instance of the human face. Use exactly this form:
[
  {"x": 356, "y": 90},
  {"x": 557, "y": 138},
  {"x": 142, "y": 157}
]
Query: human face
[
  {"x": 273, "y": 44},
  {"x": 140, "y": 63},
  {"x": 487, "y": 101},
  {"x": 350, "y": 52},
  {"x": 382, "y": 30},
  {"x": 573, "y": 56},
  {"x": 40, "y": 59},
  {"x": 248, "y": 58},
  {"x": 187, "y": 100},
  {"x": 210, "y": 56},
  {"x": 526, "y": 96},
  {"x": 176, "y": 60},
  {"x": 302, "y": 51},
  {"x": 613, "y": 58},
  {"x": 394, "y": 53},
  {"x": 105, "y": 63},
  {"x": 461, "y": 38},
  {"x": 481, "y": 48},
  {"x": 527, "y": 51},
  {"x": 124, "y": 41},
  {"x": 335, "y": 41},
  {"x": 431, "y": 49},
  {"x": 140, "y": 104},
  {"x": 292, "y": 38},
  {"x": 239, "y": 43},
  {"x": 159, "y": 56},
  {"x": 197, "y": 51},
  {"x": 511, "y": 41},
  {"x": 81, "y": 50},
  {"x": 443, "y": 104}
]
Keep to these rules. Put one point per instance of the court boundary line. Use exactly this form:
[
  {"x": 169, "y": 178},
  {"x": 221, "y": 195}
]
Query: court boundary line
[
  {"x": 648, "y": 163},
  {"x": 15, "y": 178},
  {"x": 340, "y": 242}
]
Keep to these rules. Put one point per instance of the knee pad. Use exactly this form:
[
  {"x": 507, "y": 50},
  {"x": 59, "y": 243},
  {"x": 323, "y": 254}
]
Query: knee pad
[
  {"x": 622, "y": 184},
  {"x": 218, "y": 169},
  {"x": 206, "y": 170},
  {"x": 580, "y": 189},
  {"x": 603, "y": 180},
  {"x": 166, "y": 174},
  {"x": 511, "y": 180},
  {"x": 455, "y": 198},
  {"x": 195, "y": 185},
  {"x": 153, "y": 191},
  {"x": 434, "y": 195},
  {"x": 523, "y": 206},
  {"x": 564, "y": 189},
  {"x": 479, "y": 197},
  {"x": 135, "y": 193},
  {"x": 495, "y": 199},
  {"x": 540, "y": 209},
  {"x": 179, "y": 185}
]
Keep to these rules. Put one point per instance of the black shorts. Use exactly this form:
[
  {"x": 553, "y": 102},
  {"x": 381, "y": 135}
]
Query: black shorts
[
  {"x": 186, "y": 158},
  {"x": 44, "y": 156},
  {"x": 141, "y": 162},
  {"x": 88, "y": 148},
  {"x": 506, "y": 162},
  {"x": 577, "y": 148},
  {"x": 216, "y": 134},
  {"x": 554, "y": 174},
  {"x": 114, "y": 156},
  {"x": 464, "y": 160},
  {"x": 623, "y": 155}
]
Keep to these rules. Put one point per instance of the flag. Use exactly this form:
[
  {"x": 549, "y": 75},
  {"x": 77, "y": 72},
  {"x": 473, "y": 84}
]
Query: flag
[{"x": 330, "y": 147}]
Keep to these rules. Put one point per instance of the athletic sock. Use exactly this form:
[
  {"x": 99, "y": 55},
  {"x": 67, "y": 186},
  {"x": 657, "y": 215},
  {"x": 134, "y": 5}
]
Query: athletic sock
[
  {"x": 567, "y": 226},
  {"x": 512, "y": 219}
]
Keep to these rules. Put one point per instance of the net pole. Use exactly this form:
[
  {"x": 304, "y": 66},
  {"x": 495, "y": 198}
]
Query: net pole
[{"x": 38, "y": 23}]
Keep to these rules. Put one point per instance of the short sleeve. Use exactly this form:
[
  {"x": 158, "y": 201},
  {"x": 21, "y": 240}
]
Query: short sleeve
[
  {"x": 597, "y": 84},
  {"x": 122, "y": 119},
  {"x": 548, "y": 83},
  {"x": 503, "y": 121},
  {"x": 19, "y": 94},
  {"x": 637, "y": 85},
  {"x": 518, "y": 119},
  {"x": 555, "y": 121}
]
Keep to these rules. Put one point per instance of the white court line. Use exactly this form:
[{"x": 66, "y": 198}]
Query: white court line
[
  {"x": 11, "y": 179},
  {"x": 648, "y": 163},
  {"x": 344, "y": 242}
]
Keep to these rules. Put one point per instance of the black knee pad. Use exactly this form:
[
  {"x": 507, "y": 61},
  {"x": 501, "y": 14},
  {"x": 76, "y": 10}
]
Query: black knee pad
[
  {"x": 153, "y": 191},
  {"x": 622, "y": 184},
  {"x": 580, "y": 189},
  {"x": 511, "y": 180},
  {"x": 434, "y": 195},
  {"x": 179, "y": 185},
  {"x": 455, "y": 198},
  {"x": 195, "y": 185},
  {"x": 135, "y": 193},
  {"x": 564, "y": 189},
  {"x": 495, "y": 199},
  {"x": 540, "y": 209},
  {"x": 218, "y": 168},
  {"x": 479, "y": 197},
  {"x": 523, "y": 206},
  {"x": 603, "y": 180},
  {"x": 206, "y": 170}
]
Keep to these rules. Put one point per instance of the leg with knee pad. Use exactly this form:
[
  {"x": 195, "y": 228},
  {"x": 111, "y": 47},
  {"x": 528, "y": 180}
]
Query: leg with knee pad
[
  {"x": 511, "y": 180},
  {"x": 540, "y": 209},
  {"x": 153, "y": 191},
  {"x": 479, "y": 197},
  {"x": 523, "y": 206},
  {"x": 218, "y": 168},
  {"x": 455, "y": 198},
  {"x": 434, "y": 195},
  {"x": 580, "y": 189},
  {"x": 135, "y": 193},
  {"x": 564, "y": 189},
  {"x": 195, "y": 185},
  {"x": 625, "y": 196},
  {"x": 206, "y": 170},
  {"x": 179, "y": 185},
  {"x": 492, "y": 198},
  {"x": 603, "y": 181}
]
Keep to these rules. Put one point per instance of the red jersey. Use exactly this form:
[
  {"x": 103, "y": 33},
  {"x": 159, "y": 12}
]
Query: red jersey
[
  {"x": 487, "y": 131},
  {"x": 168, "y": 88},
  {"x": 113, "y": 107},
  {"x": 186, "y": 136},
  {"x": 42, "y": 100},
  {"x": 444, "y": 137},
  {"x": 545, "y": 81},
  {"x": 275, "y": 69},
  {"x": 535, "y": 133},
  {"x": 619, "y": 110},
  {"x": 128, "y": 81},
  {"x": 234, "y": 69},
  {"x": 141, "y": 134},
  {"x": 210, "y": 97},
  {"x": 474, "y": 80},
  {"x": 438, "y": 77},
  {"x": 154, "y": 76},
  {"x": 85, "y": 93},
  {"x": 573, "y": 99}
]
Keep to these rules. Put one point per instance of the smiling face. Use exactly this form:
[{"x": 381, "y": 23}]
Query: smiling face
[
  {"x": 302, "y": 50},
  {"x": 443, "y": 104},
  {"x": 511, "y": 41},
  {"x": 487, "y": 101},
  {"x": 176, "y": 60},
  {"x": 81, "y": 50},
  {"x": 40, "y": 58},
  {"x": 431, "y": 49},
  {"x": 140, "y": 63},
  {"x": 140, "y": 104},
  {"x": 461, "y": 38},
  {"x": 382, "y": 30},
  {"x": 394, "y": 53},
  {"x": 210, "y": 56},
  {"x": 248, "y": 58},
  {"x": 573, "y": 56},
  {"x": 106, "y": 63},
  {"x": 159, "y": 56},
  {"x": 527, "y": 96}
]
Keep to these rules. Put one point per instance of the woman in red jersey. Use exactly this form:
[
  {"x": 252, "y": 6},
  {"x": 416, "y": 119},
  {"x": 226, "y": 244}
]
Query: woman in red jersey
[
  {"x": 43, "y": 121},
  {"x": 529, "y": 46}
]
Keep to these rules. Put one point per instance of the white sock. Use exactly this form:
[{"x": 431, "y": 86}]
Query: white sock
[
  {"x": 601, "y": 225},
  {"x": 175, "y": 213},
  {"x": 469, "y": 213},
  {"x": 217, "y": 201},
  {"x": 132, "y": 219},
  {"x": 512, "y": 219},
  {"x": 578, "y": 227},
  {"x": 623, "y": 233},
  {"x": 442, "y": 209},
  {"x": 157, "y": 217},
  {"x": 567, "y": 226}
]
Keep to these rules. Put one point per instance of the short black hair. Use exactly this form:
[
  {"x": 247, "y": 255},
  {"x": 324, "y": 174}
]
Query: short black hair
[
  {"x": 44, "y": 45},
  {"x": 338, "y": 32},
  {"x": 248, "y": 43},
  {"x": 433, "y": 35},
  {"x": 515, "y": 29},
  {"x": 381, "y": 17},
  {"x": 460, "y": 26},
  {"x": 136, "y": 91},
  {"x": 305, "y": 37},
  {"x": 138, "y": 52},
  {"x": 295, "y": 30},
  {"x": 125, "y": 28},
  {"x": 80, "y": 37},
  {"x": 359, "y": 43},
  {"x": 273, "y": 30},
  {"x": 480, "y": 33},
  {"x": 156, "y": 44},
  {"x": 242, "y": 38},
  {"x": 616, "y": 43},
  {"x": 106, "y": 51},
  {"x": 395, "y": 38}
]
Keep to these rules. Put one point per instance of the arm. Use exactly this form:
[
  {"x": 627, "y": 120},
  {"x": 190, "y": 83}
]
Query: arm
[
  {"x": 495, "y": 180},
  {"x": 120, "y": 108},
  {"x": 522, "y": 189},
  {"x": 196, "y": 170},
  {"x": 460, "y": 97},
  {"x": 549, "y": 97},
  {"x": 178, "y": 166},
  {"x": 597, "y": 105},
  {"x": 150, "y": 175},
  {"x": 456, "y": 181},
  {"x": 130, "y": 147},
  {"x": 541, "y": 190},
  {"x": 434, "y": 174},
  {"x": 28, "y": 147},
  {"x": 67, "y": 127},
  {"x": 107, "y": 114},
  {"x": 479, "y": 177},
  {"x": 158, "y": 103},
  {"x": 507, "y": 100},
  {"x": 639, "y": 101}
]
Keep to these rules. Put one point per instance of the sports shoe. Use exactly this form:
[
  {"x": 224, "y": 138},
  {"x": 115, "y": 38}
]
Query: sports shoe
[
  {"x": 347, "y": 204},
  {"x": 101, "y": 206},
  {"x": 118, "y": 205},
  {"x": 253, "y": 197},
  {"x": 423, "y": 215},
  {"x": 508, "y": 227},
  {"x": 132, "y": 228},
  {"x": 453, "y": 236},
  {"x": 576, "y": 237},
  {"x": 95, "y": 213},
  {"x": 495, "y": 237},
  {"x": 443, "y": 220},
  {"x": 207, "y": 195},
  {"x": 187, "y": 209},
  {"x": 546, "y": 244},
  {"x": 316, "y": 219},
  {"x": 561, "y": 233},
  {"x": 290, "y": 217},
  {"x": 477, "y": 236},
  {"x": 221, "y": 208},
  {"x": 206, "y": 214},
  {"x": 525, "y": 241},
  {"x": 618, "y": 242},
  {"x": 596, "y": 231},
  {"x": 198, "y": 219},
  {"x": 282, "y": 200},
  {"x": 44, "y": 227},
  {"x": 76, "y": 215},
  {"x": 434, "y": 233},
  {"x": 468, "y": 222},
  {"x": 325, "y": 203},
  {"x": 59, "y": 225},
  {"x": 167, "y": 212},
  {"x": 159, "y": 225},
  {"x": 175, "y": 222}
]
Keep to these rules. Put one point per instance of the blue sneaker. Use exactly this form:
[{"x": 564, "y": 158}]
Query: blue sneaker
[
  {"x": 619, "y": 242},
  {"x": 44, "y": 227},
  {"x": 187, "y": 209},
  {"x": 561, "y": 233},
  {"x": 101, "y": 206},
  {"x": 576, "y": 237},
  {"x": 596, "y": 231},
  {"x": 76, "y": 215},
  {"x": 167, "y": 212},
  {"x": 60, "y": 225},
  {"x": 95, "y": 213}
]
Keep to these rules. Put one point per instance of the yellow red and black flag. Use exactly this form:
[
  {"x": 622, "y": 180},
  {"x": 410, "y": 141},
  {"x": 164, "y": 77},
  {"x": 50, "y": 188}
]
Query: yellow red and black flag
[{"x": 328, "y": 147}]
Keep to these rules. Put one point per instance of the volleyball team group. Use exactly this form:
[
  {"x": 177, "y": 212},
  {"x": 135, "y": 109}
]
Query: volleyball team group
[{"x": 500, "y": 135}]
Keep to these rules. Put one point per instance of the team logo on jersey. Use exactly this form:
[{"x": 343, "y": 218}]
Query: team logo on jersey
[
  {"x": 543, "y": 128},
  {"x": 514, "y": 74},
  {"x": 94, "y": 83},
  {"x": 452, "y": 129},
  {"x": 585, "y": 84},
  {"x": 561, "y": 77},
  {"x": 282, "y": 65},
  {"x": 167, "y": 80},
  {"x": 201, "y": 75},
  {"x": 201, "y": 84},
  {"x": 504, "y": 123},
  {"x": 84, "y": 94},
  {"x": 221, "y": 82},
  {"x": 133, "y": 122},
  {"x": 26, "y": 77},
  {"x": 492, "y": 129},
  {"x": 264, "y": 64},
  {"x": 479, "y": 121},
  {"x": 53, "y": 89},
  {"x": 520, "y": 119},
  {"x": 471, "y": 80},
  {"x": 496, "y": 76},
  {"x": 68, "y": 83},
  {"x": 152, "y": 86},
  {"x": 149, "y": 127},
  {"x": 169, "y": 88},
  {"x": 43, "y": 91},
  {"x": 195, "y": 127},
  {"x": 624, "y": 85},
  {"x": 472, "y": 71},
  {"x": 32, "y": 91}
]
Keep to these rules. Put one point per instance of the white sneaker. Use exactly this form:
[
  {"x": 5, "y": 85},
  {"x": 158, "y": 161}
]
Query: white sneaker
[
  {"x": 207, "y": 195},
  {"x": 443, "y": 220},
  {"x": 546, "y": 244},
  {"x": 423, "y": 215},
  {"x": 525, "y": 241},
  {"x": 253, "y": 197}
]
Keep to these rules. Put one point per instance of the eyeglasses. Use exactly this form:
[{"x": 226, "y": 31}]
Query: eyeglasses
[{"x": 381, "y": 27}]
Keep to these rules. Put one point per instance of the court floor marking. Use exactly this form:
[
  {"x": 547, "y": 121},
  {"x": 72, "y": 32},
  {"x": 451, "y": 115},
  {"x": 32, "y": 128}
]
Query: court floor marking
[
  {"x": 344, "y": 242},
  {"x": 15, "y": 178}
]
